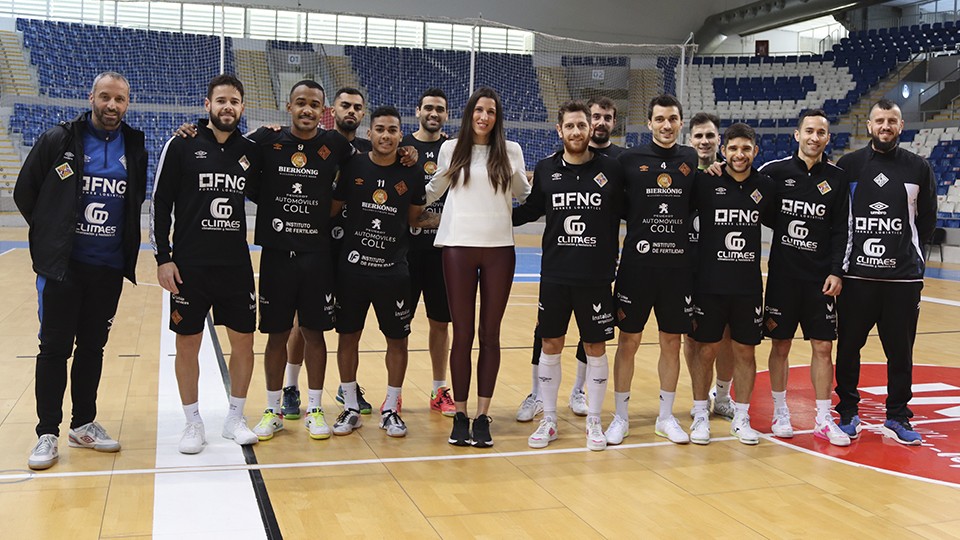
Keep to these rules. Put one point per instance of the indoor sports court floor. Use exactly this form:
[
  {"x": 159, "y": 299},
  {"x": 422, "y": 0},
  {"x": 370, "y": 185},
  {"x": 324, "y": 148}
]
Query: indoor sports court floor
[{"x": 368, "y": 485}]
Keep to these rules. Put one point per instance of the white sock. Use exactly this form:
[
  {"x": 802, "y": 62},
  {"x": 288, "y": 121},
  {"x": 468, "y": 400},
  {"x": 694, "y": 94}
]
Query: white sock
[
  {"x": 823, "y": 410},
  {"x": 596, "y": 372},
  {"x": 236, "y": 407},
  {"x": 620, "y": 401},
  {"x": 393, "y": 397},
  {"x": 314, "y": 399},
  {"x": 273, "y": 400},
  {"x": 779, "y": 400},
  {"x": 581, "y": 375},
  {"x": 192, "y": 412},
  {"x": 723, "y": 389},
  {"x": 535, "y": 387},
  {"x": 741, "y": 409},
  {"x": 437, "y": 385},
  {"x": 666, "y": 404},
  {"x": 700, "y": 409},
  {"x": 550, "y": 374},
  {"x": 291, "y": 374},
  {"x": 350, "y": 390}
]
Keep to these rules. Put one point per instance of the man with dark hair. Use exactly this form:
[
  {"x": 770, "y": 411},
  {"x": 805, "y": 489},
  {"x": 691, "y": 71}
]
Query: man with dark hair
[
  {"x": 293, "y": 197},
  {"x": 603, "y": 120},
  {"x": 201, "y": 181},
  {"x": 386, "y": 199},
  {"x": 80, "y": 191},
  {"x": 656, "y": 265},
  {"x": 426, "y": 267},
  {"x": 705, "y": 139},
  {"x": 810, "y": 232},
  {"x": 580, "y": 192},
  {"x": 349, "y": 109},
  {"x": 893, "y": 209},
  {"x": 729, "y": 287}
]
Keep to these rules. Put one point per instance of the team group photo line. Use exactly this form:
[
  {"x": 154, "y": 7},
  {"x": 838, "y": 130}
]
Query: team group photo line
[{"x": 346, "y": 222}]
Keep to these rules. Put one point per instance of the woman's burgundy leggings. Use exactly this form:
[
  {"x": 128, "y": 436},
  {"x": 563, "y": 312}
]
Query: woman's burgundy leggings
[{"x": 463, "y": 269}]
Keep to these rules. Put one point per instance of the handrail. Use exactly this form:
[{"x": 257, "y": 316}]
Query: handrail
[{"x": 941, "y": 81}]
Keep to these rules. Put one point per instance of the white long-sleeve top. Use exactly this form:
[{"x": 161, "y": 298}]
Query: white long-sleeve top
[{"x": 475, "y": 215}]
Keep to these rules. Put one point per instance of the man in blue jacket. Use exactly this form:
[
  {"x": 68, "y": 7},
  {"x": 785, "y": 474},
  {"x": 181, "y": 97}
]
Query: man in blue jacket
[{"x": 80, "y": 191}]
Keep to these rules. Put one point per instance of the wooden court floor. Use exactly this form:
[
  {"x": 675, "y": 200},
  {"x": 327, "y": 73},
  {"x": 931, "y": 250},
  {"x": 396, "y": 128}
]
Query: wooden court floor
[{"x": 367, "y": 485}]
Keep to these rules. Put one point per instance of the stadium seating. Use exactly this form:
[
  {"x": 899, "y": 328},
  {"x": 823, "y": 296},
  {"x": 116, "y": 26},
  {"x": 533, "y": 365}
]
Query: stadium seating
[{"x": 69, "y": 55}]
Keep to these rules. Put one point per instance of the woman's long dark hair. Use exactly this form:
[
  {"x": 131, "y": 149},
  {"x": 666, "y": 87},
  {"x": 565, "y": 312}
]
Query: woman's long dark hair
[{"x": 498, "y": 163}]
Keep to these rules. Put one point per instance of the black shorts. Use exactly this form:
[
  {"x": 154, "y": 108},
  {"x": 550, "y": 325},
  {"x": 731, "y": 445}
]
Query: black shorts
[
  {"x": 389, "y": 296},
  {"x": 229, "y": 290},
  {"x": 743, "y": 312},
  {"x": 426, "y": 276},
  {"x": 790, "y": 302},
  {"x": 668, "y": 291},
  {"x": 295, "y": 283},
  {"x": 592, "y": 306}
]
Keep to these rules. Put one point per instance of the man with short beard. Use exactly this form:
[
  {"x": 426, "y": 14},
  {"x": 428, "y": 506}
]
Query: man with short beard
[
  {"x": 201, "y": 181},
  {"x": 893, "y": 209},
  {"x": 80, "y": 191},
  {"x": 603, "y": 120},
  {"x": 424, "y": 260},
  {"x": 576, "y": 189}
]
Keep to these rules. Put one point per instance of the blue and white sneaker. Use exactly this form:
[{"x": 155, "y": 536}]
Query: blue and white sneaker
[
  {"x": 851, "y": 426},
  {"x": 291, "y": 403},
  {"x": 902, "y": 432},
  {"x": 365, "y": 407}
]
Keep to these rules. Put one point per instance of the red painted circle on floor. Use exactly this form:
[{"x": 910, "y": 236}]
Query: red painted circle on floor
[{"x": 935, "y": 405}]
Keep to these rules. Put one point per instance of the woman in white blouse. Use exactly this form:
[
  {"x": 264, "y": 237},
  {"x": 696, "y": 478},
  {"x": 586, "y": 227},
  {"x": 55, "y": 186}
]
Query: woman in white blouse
[{"x": 482, "y": 172}]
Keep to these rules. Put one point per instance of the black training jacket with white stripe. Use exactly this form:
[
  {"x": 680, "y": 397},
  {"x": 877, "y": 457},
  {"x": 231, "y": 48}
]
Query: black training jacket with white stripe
[{"x": 893, "y": 212}]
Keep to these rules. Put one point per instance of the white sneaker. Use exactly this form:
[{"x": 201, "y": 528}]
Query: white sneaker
[
  {"x": 194, "y": 438},
  {"x": 781, "y": 424},
  {"x": 724, "y": 408},
  {"x": 530, "y": 408},
  {"x": 269, "y": 424},
  {"x": 711, "y": 397},
  {"x": 391, "y": 422},
  {"x": 578, "y": 403},
  {"x": 235, "y": 428},
  {"x": 44, "y": 454},
  {"x": 317, "y": 425},
  {"x": 671, "y": 429},
  {"x": 700, "y": 430},
  {"x": 618, "y": 429},
  {"x": 92, "y": 435},
  {"x": 348, "y": 421},
  {"x": 596, "y": 440},
  {"x": 828, "y": 430},
  {"x": 546, "y": 432},
  {"x": 741, "y": 429}
]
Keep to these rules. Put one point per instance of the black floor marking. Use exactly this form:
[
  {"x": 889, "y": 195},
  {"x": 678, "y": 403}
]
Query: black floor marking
[{"x": 269, "y": 517}]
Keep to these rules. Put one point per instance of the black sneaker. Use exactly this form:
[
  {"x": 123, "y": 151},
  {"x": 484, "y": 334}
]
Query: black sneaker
[
  {"x": 460, "y": 436},
  {"x": 481, "y": 432}
]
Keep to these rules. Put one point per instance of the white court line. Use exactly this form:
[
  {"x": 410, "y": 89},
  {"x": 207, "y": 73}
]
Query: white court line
[
  {"x": 942, "y": 301},
  {"x": 188, "y": 504},
  {"x": 7, "y": 251},
  {"x": 7, "y": 478}
]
